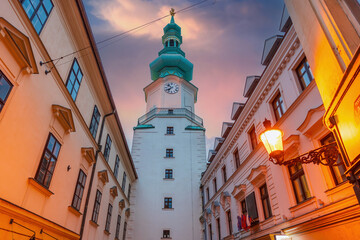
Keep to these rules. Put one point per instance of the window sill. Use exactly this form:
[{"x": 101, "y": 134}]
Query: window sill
[
  {"x": 340, "y": 191},
  {"x": 106, "y": 232},
  {"x": 168, "y": 209},
  {"x": 93, "y": 223},
  {"x": 40, "y": 187},
  {"x": 169, "y": 179},
  {"x": 302, "y": 204},
  {"x": 169, "y": 134},
  {"x": 169, "y": 157},
  {"x": 74, "y": 211},
  {"x": 166, "y": 238}
]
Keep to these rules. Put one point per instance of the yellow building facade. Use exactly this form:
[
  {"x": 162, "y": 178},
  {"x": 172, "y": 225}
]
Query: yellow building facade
[{"x": 65, "y": 167}]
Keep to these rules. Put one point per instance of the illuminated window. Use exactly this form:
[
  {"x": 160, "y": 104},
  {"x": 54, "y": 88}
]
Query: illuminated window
[
  {"x": 48, "y": 161},
  {"x": 167, "y": 202},
  {"x": 265, "y": 201},
  {"x": 5, "y": 89},
  {"x": 79, "y": 190},
  {"x": 337, "y": 172},
  {"x": 299, "y": 183},
  {"x": 278, "y": 106},
  {"x": 96, "y": 209},
  {"x": 107, "y": 147},
  {"x": 38, "y": 12},
  {"x": 304, "y": 74},
  {"x": 74, "y": 80},
  {"x": 94, "y": 124}
]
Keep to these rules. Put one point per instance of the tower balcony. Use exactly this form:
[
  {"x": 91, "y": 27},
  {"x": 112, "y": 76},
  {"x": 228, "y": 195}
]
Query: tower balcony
[{"x": 170, "y": 112}]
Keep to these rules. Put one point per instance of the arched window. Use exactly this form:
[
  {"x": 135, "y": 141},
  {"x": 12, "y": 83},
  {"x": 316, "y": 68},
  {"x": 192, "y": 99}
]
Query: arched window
[{"x": 172, "y": 43}]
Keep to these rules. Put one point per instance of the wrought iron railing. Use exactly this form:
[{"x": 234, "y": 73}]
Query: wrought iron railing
[{"x": 167, "y": 112}]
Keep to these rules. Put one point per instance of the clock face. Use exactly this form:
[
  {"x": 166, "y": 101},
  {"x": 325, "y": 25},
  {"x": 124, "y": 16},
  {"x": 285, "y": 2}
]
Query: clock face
[{"x": 171, "y": 87}]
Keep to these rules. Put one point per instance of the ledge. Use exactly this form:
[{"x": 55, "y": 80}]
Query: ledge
[
  {"x": 74, "y": 211},
  {"x": 169, "y": 179},
  {"x": 169, "y": 157},
  {"x": 302, "y": 204},
  {"x": 145, "y": 126},
  {"x": 93, "y": 223},
  {"x": 40, "y": 187},
  {"x": 168, "y": 134},
  {"x": 168, "y": 209}
]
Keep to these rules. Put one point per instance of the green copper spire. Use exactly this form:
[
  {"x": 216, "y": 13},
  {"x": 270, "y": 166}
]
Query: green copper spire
[{"x": 171, "y": 60}]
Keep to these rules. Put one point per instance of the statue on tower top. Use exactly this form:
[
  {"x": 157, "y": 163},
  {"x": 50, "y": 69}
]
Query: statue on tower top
[{"x": 172, "y": 12}]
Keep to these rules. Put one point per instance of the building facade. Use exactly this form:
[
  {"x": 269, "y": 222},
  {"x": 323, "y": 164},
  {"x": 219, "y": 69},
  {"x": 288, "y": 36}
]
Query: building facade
[
  {"x": 249, "y": 197},
  {"x": 329, "y": 30},
  {"x": 168, "y": 150},
  {"x": 66, "y": 169}
]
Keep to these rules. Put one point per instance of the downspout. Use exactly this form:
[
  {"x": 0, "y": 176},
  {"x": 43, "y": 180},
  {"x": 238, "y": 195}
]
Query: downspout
[{"x": 92, "y": 174}]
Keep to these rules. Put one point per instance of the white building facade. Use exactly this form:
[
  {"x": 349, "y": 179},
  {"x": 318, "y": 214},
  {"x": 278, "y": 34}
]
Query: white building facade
[
  {"x": 249, "y": 197},
  {"x": 168, "y": 150}
]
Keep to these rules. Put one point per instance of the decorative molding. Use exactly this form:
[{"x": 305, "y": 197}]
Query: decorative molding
[
  {"x": 225, "y": 200},
  {"x": 114, "y": 191},
  {"x": 239, "y": 191},
  {"x": 89, "y": 154},
  {"x": 257, "y": 175},
  {"x": 208, "y": 215},
  {"x": 103, "y": 176},
  {"x": 19, "y": 45},
  {"x": 127, "y": 212},
  {"x": 215, "y": 208},
  {"x": 64, "y": 116},
  {"x": 122, "y": 204},
  {"x": 291, "y": 146}
]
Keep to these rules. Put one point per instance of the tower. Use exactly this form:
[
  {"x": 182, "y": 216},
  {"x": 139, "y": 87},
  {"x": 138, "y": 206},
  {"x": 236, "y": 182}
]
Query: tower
[{"x": 168, "y": 150}]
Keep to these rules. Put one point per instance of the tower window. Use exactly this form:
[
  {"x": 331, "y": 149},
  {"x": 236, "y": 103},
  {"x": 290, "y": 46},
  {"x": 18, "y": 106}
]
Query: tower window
[
  {"x": 169, "y": 153},
  {"x": 170, "y": 130},
  {"x": 166, "y": 234},
  {"x": 168, "y": 173},
  {"x": 172, "y": 43},
  {"x": 167, "y": 202}
]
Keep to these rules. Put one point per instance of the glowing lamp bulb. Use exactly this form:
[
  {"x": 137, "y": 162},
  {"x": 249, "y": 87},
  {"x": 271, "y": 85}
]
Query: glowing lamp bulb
[{"x": 272, "y": 140}]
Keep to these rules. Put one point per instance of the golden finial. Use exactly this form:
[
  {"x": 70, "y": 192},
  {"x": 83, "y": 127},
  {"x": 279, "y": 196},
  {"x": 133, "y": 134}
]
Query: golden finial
[{"x": 172, "y": 12}]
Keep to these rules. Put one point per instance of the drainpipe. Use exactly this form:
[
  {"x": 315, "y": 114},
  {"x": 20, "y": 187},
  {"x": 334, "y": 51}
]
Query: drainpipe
[{"x": 93, "y": 173}]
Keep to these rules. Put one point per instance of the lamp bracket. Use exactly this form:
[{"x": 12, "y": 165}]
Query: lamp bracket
[{"x": 327, "y": 155}]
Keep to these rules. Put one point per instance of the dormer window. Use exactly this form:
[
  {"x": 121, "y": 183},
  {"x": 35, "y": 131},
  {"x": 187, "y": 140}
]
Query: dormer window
[{"x": 172, "y": 43}]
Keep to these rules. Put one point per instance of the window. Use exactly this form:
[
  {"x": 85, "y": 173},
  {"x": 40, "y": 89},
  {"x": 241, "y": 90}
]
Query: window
[
  {"x": 94, "y": 124},
  {"x": 299, "y": 183},
  {"x": 304, "y": 74},
  {"x": 218, "y": 228},
  {"x": 215, "y": 185},
  {"x": 278, "y": 106},
  {"x": 74, "y": 80},
  {"x": 166, "y": 234},
  {"x": 171, "y": 42},
  {"x": 208, "y": 194},
  {"x": 168, "y": 173},
  {"x": 5, "y": 89},
  {"x": 96, "y": 209},
  {"x": 228, "y": 214},
  {"x": 251, "y": 208},
  {"x": 223, "y": 170},
  {"x": 253, "y": 139},
  {"x": 124, "y": 233},
  {"x": 116, "y": 167},
  {"x": 236, "y": 159},
  {"x": 265, "y": 201},
  {"x": 107, "y": 147},
  {"x": 48, "y": 161},
  {"x": 169, "y": 152},
  {"x": 79, "y": 190},
  {"x": 123, "y": 182},
  {"x": 210, "y": 232},
  {"x": 129, "y": 192},
  {"x": 167, "y": 202},
  {"x": 117, "y": 231},
  {"x": 38, "y": 12},
  {"x": 243, "y": 207},
  {"x": 108, "y": 218},
  {"x": 170, "y": 130},
  {"x": 337, "y": 172}
]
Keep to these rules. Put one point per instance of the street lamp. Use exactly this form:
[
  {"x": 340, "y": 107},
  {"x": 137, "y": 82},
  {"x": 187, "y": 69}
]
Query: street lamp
[{"x": 272, "y": 139}]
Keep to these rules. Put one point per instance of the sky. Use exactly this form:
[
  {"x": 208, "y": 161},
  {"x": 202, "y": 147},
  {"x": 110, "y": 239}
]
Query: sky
[{"x": 224, "y": 40}]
